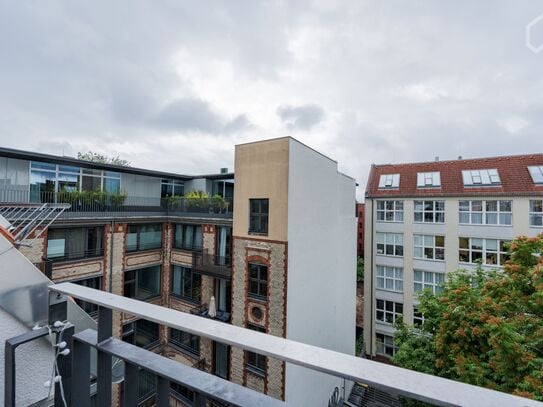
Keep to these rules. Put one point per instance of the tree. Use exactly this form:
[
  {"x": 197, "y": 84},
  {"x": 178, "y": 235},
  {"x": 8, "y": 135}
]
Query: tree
[
  {"x": 484, "y": 328},
  {"x": 101, "y": 158},
  {"x": 360, "y": 269}
]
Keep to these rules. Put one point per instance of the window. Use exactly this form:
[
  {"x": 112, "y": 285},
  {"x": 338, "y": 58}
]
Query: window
[
  {"x": 75, "y": 243},
  {"x": 388, "y": 311},
  {"x": 188, "y": 237},
  {"x": 536, "y": 213},
  {"x": 428, "y": 179},
  {"x": 390, "y": 278},
  {"x": 258, "y": 281},
  {"x": 385, "y": 345},
  {"x": 428, "y": 280},
  {"x": 143, "y": 237},
  {"x": 485, "y": 212},
  {"x": 146, "y": 385},
  {"x": 389, "y": 244},
  {"x": 182, "y": 393},
  {"x": 89, "y": 307},
  {"x": 418, "y": 317},
  {"x": 185, "y": 341},
  {"x": 478, "y": 178},
  {"x": 186, "y": 284},
  {"x": 537, "y": 173},
  {"x": 142, "y": 284},
  {"x": 255, "y": 362},
  {"x": 429, "y": 247},
  {"x": 223, "y": 245},
  {"x": 258, "y": 216},
  {"x": 491, "y": 252},
  {"x": 430, "y": 211},
  {"x": 390, "y": 211},
  {"x": 389, "y": 181},
  {"x": 141, "y": 333},
  {"x": 171, "y": 187}
]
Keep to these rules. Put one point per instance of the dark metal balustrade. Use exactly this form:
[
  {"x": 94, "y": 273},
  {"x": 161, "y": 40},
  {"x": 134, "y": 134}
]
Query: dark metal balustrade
[{"x": 217, "y": 266}]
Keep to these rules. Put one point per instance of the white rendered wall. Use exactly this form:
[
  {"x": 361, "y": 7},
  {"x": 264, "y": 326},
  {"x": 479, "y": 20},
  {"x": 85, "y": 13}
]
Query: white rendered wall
[{"x": 321, "y": 291}]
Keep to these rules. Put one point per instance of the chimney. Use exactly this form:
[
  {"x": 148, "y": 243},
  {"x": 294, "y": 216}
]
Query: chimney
[
  {"x": 224, "y": 170},
  {"x": 459, "y": 157},
  {"x": 437, "y": 158}
]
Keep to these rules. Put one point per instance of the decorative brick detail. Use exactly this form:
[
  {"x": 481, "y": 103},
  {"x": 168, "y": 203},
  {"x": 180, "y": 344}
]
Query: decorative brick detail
[
  {"x": 209, "y": 238},
  {"x": 138, "y": 260},
  {"x": 255, "y": 382},
  {"x": 83, "y": 269},
  {"x": 37, "y": 249},
  {"x": 181, "y": 257}
]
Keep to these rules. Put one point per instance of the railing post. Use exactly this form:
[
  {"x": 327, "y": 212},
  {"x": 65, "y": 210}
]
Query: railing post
[
  {"x": 64, "y": 364},
  {"x": 81, "y": 373},
  {"x": 10, "y": 373},
  {"x": 199, "y": 400},
  {"x": 162, "y": 392},
  {"x": 103, "y": 393},
  {"x": 130, "y": 385}
]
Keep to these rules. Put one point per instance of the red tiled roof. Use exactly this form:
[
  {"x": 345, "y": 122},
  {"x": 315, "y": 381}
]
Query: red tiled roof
[{"x": 513, "y": 171}]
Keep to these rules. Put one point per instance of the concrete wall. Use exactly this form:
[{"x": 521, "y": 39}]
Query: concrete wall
[
  {"x": 321, "y": 295},
  {"x": 140, "y": 185}
]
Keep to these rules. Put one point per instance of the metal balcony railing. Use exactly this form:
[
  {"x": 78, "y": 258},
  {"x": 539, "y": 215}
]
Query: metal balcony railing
[
  {"x": 402, "y": 382},
  {"x": 92, "y": 203},
  {"x": 217, "y": 266}
]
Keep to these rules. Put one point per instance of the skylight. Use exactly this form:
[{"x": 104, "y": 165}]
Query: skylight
[
  {"x": 428, "y": 179},
  {"x": 481, "y": 177},
  {"x": 389, "y": 181},
  {"x": 536, "y": 172}
]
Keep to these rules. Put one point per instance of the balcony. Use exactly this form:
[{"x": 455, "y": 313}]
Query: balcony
[
  {"x": 77, "y": 387},
  {"x": 102, "y": 205},
  {"x": 216, "y": 266},
  {"x": 203, "y": 311}
]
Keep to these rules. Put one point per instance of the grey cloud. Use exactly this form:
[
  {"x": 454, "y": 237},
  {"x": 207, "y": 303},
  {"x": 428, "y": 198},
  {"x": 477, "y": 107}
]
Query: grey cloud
[{"x": 302, "y": 117}]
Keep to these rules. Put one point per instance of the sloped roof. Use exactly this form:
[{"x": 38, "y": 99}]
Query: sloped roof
[{"x": 513, "y": 171}]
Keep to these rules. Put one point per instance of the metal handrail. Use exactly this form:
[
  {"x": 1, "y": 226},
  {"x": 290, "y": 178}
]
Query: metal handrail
[{"x": 408, "y": 383}]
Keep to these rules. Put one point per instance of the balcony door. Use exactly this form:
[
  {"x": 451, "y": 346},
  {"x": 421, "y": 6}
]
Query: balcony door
[
  {"x": 224, "y": 246},
  {"x": 221, "y": 360},
  {"x": 223, "y": 295}
]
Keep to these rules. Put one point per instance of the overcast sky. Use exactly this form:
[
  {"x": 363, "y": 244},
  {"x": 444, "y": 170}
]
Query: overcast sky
[{"x": 173, "y": 85}]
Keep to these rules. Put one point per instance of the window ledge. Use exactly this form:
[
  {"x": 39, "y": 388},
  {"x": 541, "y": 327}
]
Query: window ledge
[
  {"x": 184, "y": 351},
  {"x": 432, "y": 260},
  {"x": 185, "y": 299},
  {"x": 262, "y": 300},
  {"x": 83, "y": 259},
  {"x": 255, "y": 371},
  {"x": 251, "y": 233}
]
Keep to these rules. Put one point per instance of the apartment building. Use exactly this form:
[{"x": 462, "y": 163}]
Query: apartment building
[
  {"x": 424, "y": 220},
  {"x": 247, "y": 259}
]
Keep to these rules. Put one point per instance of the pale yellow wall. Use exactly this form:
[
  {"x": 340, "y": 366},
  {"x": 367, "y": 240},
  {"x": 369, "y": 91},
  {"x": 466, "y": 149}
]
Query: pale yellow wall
[{"x": 261, "y": 171}]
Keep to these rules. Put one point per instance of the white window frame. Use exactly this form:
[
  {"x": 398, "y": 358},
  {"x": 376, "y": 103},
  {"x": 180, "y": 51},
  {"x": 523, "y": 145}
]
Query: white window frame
[
  {"x": 389, "y": 278},
  {"x": 428, "y": 179},
  {"x": 484, "y": 213},
  {"x": 395, "y": 208},
  {"x": 485, "y": 250},
  {"x": 481, "y": 177},
  {"x": 424, "y": 211},
  {"x": 418, "y": 317},
  {"x": 536, "y": 214},
  {"x": 424, "y": 244},
  {"x": 428, "y": 279},
  {"x": 394, "y": 313},
  {"x": 536, "y": 172},
  {"x": 389, "y": 240},
  {"x": 382, "y": 345},
  {"x": 389, "y": 181}
]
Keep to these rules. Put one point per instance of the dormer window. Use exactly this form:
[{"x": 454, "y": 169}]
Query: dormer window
[
  {"x": 428, "y": 179},
  {"x": 475, "y": 178},
  {"x": 536, "y": 172},
  {"x": 389, "y": 181}
]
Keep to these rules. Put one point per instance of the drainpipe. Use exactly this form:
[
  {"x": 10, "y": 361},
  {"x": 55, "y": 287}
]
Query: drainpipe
[{"x": 111, "y": 256}]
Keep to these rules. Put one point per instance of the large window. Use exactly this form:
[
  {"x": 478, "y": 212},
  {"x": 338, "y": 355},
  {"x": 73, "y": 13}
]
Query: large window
[
  {"x": 387, "y": 311},
  {"x": 182, "y": 393},
  {"x": 385, "y": 345},
  {"x": 186, "y": 284},
  {"x": 256, "y": 362},
  {"x": 258, "y": 281},
  {"x": 186, "y": 341},
  {"x": 485, "y": 212},
  {"x": 143, "y": 237},
  {"x": 188, "y": 237},
  {"x": 141, "y": 333},
  {"x": 171, "y": 187},
  {"x": 536, "y": 213},
  {"x": 75, "y": 243},
  {"x": 430, "y": 211},
  {"x": 429, "y": 247},
  {"x": 390, "y": 278},
  {"x": 390, "y": 211},
  {"x": 428, "y": 280},
  {"x": 142, "y": 284},
  {"x": 89, "y": 307},
  {"x": 258, "y": 216},
  {"x": 491, "y": 252},
  {"x": 389, "y": 244},
  {"x": 223, "y": 245}
]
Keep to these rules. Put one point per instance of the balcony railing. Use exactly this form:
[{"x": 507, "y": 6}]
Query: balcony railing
[
  {"x": 203, "y": 311},
  {"x": 402, "y": 382},
  {"x": 103, "y": 204},
  {"x": 217, "y": 266}
]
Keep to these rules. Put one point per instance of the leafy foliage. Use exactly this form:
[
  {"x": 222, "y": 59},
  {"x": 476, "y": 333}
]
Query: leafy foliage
[
  {"x": 360, "y": 269},
  {"x": 95, "y": 199},
  {"x": 485, "y": 328},
  {"x": 101, "y": 158}
]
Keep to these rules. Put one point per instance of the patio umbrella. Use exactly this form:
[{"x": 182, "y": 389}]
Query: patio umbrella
[{"x": 212, "y": 307}]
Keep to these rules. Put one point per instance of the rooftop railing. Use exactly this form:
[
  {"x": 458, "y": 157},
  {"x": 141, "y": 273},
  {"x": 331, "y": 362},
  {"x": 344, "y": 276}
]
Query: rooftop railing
[
  {"x": 98, "y": 204},
  {"x": 398, "y": 381}
]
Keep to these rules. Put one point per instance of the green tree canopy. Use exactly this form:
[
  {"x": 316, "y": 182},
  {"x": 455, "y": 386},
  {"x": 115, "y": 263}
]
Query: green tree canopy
[
  {"x": 484, "y": 328},
  {"x": 101, "y": 158}
]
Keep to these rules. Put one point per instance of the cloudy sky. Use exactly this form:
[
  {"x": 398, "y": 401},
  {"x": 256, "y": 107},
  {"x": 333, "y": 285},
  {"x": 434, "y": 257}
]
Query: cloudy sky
[{"x": 173, "y": 85}]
